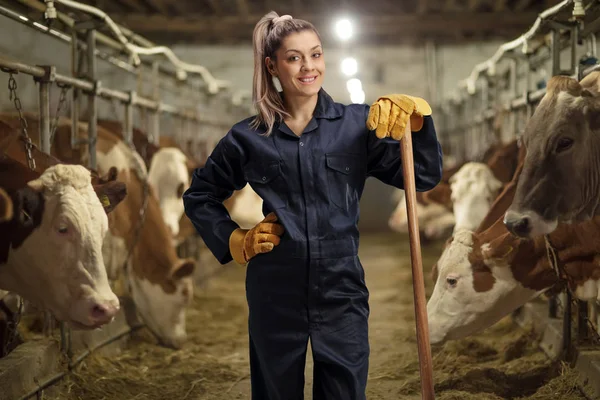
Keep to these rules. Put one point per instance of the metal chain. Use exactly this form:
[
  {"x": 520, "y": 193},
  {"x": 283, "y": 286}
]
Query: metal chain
[
  {"x": 61, "y": 101},
  {"x": 595, "y": 336},
  {"x": 12, "y": 88},
  {"x": 563, "y": 278}
]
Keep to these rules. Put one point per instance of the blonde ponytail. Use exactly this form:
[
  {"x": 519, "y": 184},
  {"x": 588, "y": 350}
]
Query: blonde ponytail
[{"x": 268, "y": 34}]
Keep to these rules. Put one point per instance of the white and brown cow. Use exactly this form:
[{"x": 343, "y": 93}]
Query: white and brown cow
[
  {"x": 561, "y": 175},
  {"x": 51, "y": 247},
  {"x": 159, "y": 282},
  {"x": 474, "y": 189},
  {"x": 169, "y": 172},
  {"x": 483, "y": 276}
]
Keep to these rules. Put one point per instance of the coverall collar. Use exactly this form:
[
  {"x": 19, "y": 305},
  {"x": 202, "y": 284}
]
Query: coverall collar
[{"x": 325, "y": 108}]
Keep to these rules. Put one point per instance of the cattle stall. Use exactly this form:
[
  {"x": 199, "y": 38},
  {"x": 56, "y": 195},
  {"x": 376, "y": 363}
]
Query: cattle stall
[
  {"x": 493, "y": 104},
  {"x": 96, "y": 71}
]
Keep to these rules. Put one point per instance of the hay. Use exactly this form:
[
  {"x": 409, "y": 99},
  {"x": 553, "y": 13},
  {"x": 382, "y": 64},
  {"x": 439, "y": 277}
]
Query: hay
[{"x": 504, "y": 362}]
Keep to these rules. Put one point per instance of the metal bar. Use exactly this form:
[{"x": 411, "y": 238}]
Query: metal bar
[
  {"x": 44, "y": 103},
  {"x": 75, "y": 93},
  {"x": 129, "y": 122},
  {"x": 582, "y": 314},
  {"x": 113, "y": 94},
  {"x": 567, "y": 322},
  {"x": 92, "y": 100},
  {"x": 555, "y": 54},
  {"x": 34, "y": 71},
  {"x": 101, "y": 91},
  {"x": 74, "y": 82},
  {"x": 154, "y": 115}
]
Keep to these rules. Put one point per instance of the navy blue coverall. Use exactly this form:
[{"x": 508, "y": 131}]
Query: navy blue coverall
[{"x": 312, "y": 284}]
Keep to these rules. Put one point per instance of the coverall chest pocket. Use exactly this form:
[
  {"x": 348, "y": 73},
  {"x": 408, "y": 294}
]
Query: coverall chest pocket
[
  {"x": 342, "y": 179},
  {"x": 267, "y": 181}
]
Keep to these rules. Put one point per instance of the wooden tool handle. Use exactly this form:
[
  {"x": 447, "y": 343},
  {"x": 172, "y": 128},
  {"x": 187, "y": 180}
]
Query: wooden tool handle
[{"x": 425, "y": 362}]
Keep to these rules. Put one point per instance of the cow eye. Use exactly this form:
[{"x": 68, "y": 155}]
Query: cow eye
[
  {"x": 63, "y": 229},
  {"x": 564, "y": 144},
  {"x": 451, "y": 281}
]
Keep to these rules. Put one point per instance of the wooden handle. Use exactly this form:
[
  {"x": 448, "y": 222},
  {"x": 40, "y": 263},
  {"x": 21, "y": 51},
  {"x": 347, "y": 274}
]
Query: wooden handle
[{"x": 425, "y": 363}]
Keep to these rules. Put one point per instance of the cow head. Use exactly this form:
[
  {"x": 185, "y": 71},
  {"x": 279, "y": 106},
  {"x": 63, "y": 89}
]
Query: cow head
[
  {"x": 169, "y": 177},
  {"x": 162, "y": 305},
  {"x": 560, "y": 181},
  {"x": 59, "y": 265},
  {"x": 474, "y": 287},
  {"x": 474, "y": 189}
]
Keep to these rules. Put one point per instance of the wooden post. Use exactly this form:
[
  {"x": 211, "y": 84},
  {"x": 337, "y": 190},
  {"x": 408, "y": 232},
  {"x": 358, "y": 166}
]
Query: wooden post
[{"x": 425, "y": 362}]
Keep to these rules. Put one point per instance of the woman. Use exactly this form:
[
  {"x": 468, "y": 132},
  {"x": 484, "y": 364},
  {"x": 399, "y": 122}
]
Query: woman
[{"x": 308, "y": 158}]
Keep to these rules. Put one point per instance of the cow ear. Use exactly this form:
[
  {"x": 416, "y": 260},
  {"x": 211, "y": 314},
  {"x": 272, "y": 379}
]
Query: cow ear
[
  {"x": 591, "y": 82},
  {"x": 112, "y": 175},
  {"x": 502, "y": 247},
  {"x": 493, "y": 184},
  {"x": 111, "y": 194},
  {"x": 182, "y": 269},
  {"x": 36, "y": 185}
]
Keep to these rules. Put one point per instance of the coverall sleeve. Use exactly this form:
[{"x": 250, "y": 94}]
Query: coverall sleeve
[
  {"x": 384, "y": 161},
  {"x": 211, "y": 186}
]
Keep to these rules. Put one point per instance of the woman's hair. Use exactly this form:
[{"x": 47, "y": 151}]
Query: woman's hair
[{"x": 268, "y": 34}]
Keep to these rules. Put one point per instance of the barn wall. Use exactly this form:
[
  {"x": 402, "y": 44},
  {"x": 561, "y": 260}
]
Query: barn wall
[{"x": 381, "y": 70}]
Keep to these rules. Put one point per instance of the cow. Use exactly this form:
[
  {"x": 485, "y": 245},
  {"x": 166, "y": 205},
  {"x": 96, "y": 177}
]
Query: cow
[
  {"x": 138, "y": 249},
  {"x": 483, "y": 276},
  {"x": 51, "y": 248},
  {"x": 434, "y": 219},
  {"x": 169, "y": 172},
  {"x": 502, "y": 160},
  {"x": 561, "y": 175},
  {"x": 474, "y": 188}
]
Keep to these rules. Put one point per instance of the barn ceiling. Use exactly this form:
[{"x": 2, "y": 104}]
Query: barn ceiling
[{"x": 382, "y": 22}]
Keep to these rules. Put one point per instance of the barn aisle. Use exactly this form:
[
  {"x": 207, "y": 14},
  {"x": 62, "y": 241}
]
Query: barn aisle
[{"x": 503, "y": 363}]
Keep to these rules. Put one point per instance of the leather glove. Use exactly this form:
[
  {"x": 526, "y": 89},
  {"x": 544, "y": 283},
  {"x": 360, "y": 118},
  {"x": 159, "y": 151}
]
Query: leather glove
[
  {"x": 390, "y": 113},
  {"x": 246, "y": 243}
]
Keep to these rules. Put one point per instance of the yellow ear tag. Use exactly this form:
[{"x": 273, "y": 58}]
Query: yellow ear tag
[{"x": 105, "y": 201}]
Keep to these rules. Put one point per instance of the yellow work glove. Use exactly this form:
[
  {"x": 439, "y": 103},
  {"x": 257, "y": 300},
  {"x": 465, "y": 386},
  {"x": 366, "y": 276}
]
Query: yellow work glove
[
  {"x": 390, "y": 113},
  {"x": 246, "y": 243}
]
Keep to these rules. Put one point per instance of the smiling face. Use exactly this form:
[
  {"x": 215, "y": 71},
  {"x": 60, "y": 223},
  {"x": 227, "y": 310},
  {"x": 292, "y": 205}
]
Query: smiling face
[{"x": 299, "y": 64}]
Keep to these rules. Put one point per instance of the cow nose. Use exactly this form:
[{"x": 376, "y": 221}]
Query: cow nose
[
  {"x": 104, "y": 312},
  {"x": 518, "y": 225}
]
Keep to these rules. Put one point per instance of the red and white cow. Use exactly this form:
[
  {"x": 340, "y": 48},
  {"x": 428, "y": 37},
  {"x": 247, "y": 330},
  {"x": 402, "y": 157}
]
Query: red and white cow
[
  {"x": 51, "y": 247},
  {"x": 474, "y": 189},
  {"x": 141, "y": 253}
]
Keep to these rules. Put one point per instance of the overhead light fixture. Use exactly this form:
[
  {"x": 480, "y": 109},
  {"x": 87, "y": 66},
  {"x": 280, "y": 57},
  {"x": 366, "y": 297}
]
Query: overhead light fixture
[
  {"x": 343, "y": 29},
  {"x": 349, "y": 66}
]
